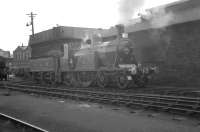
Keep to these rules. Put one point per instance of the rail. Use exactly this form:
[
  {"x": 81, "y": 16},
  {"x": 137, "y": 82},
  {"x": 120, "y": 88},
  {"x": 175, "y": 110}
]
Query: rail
[{"x": 24, "y": 126}]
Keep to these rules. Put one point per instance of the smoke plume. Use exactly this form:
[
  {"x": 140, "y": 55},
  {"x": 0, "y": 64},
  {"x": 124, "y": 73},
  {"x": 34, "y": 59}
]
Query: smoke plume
[
  {"x": 161, "y": 18},
  {"x": 128, "y": 8}
]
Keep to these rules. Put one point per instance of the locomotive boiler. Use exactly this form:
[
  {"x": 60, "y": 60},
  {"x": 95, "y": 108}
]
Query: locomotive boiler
[{"x": 94, "y": 63}]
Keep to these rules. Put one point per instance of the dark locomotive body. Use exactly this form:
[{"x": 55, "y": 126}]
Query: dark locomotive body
[{"x": 109, "y": 63}]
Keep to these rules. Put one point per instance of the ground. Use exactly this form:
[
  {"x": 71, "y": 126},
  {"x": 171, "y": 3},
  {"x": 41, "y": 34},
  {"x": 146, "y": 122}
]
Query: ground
[{"x": 57, "y": 115}]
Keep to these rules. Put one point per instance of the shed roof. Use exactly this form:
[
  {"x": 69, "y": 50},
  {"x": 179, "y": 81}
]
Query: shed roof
[{"x": 58, "y": 33}]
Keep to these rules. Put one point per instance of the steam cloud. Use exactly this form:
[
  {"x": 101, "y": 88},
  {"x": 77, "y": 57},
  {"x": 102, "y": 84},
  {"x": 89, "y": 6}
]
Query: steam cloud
[
  {"x": 161, "y": 18},
  {"x": 128, "y": 8},
  {"x": 158, "y": 18}
]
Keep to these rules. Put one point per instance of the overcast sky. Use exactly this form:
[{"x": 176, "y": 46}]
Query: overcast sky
[{"x": 81, "y": 13}]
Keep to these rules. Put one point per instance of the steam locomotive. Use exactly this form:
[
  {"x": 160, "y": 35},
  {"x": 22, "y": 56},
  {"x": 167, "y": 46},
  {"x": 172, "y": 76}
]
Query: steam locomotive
[{"x": 94, "y": 63}]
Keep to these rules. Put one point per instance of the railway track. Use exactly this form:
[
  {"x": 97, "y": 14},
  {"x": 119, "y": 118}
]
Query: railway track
[
  {"x": 24, "y": 82},
  {"x": 176, "y": 91},
  {"x": 8, "y": 124},
  {"x": 173, "y": 104}
]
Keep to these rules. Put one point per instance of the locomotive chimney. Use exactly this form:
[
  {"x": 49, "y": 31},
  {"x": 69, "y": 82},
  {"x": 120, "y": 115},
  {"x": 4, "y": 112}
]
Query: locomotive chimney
[{"x": 120, "y": 30}]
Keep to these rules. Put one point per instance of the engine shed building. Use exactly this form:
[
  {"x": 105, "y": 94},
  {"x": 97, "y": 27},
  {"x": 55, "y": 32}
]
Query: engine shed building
[
  {"x": 168, "y": 36},
  {"x": 49, "y": 42}
]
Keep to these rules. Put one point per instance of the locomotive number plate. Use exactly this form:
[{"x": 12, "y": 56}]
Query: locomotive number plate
[{"x": 129, "y": 77}]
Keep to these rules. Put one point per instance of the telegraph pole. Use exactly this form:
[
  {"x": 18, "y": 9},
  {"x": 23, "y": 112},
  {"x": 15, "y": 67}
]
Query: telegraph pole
[{"x": 31, "y": 15}]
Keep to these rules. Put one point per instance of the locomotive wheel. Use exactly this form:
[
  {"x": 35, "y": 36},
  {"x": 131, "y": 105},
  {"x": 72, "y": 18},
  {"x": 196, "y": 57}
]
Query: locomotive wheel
[
  {"x": 102, "y": 80},
  {"x": 141, "y": 81},
  {"x": 122, "y": 80},
  {"x": 68, "y": 79},
  {"x": 74, "y": 80},
  {"x": 85, "y": 79}
]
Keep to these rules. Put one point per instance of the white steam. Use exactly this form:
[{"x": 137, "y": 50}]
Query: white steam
[
  {"x": 161, "y": 18},
  {"x": 129, "y": 8},
  {"x": 158, "y": 17}
]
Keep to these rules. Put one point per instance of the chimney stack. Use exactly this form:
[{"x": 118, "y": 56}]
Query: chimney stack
[{"x": 120, "y": 30}]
